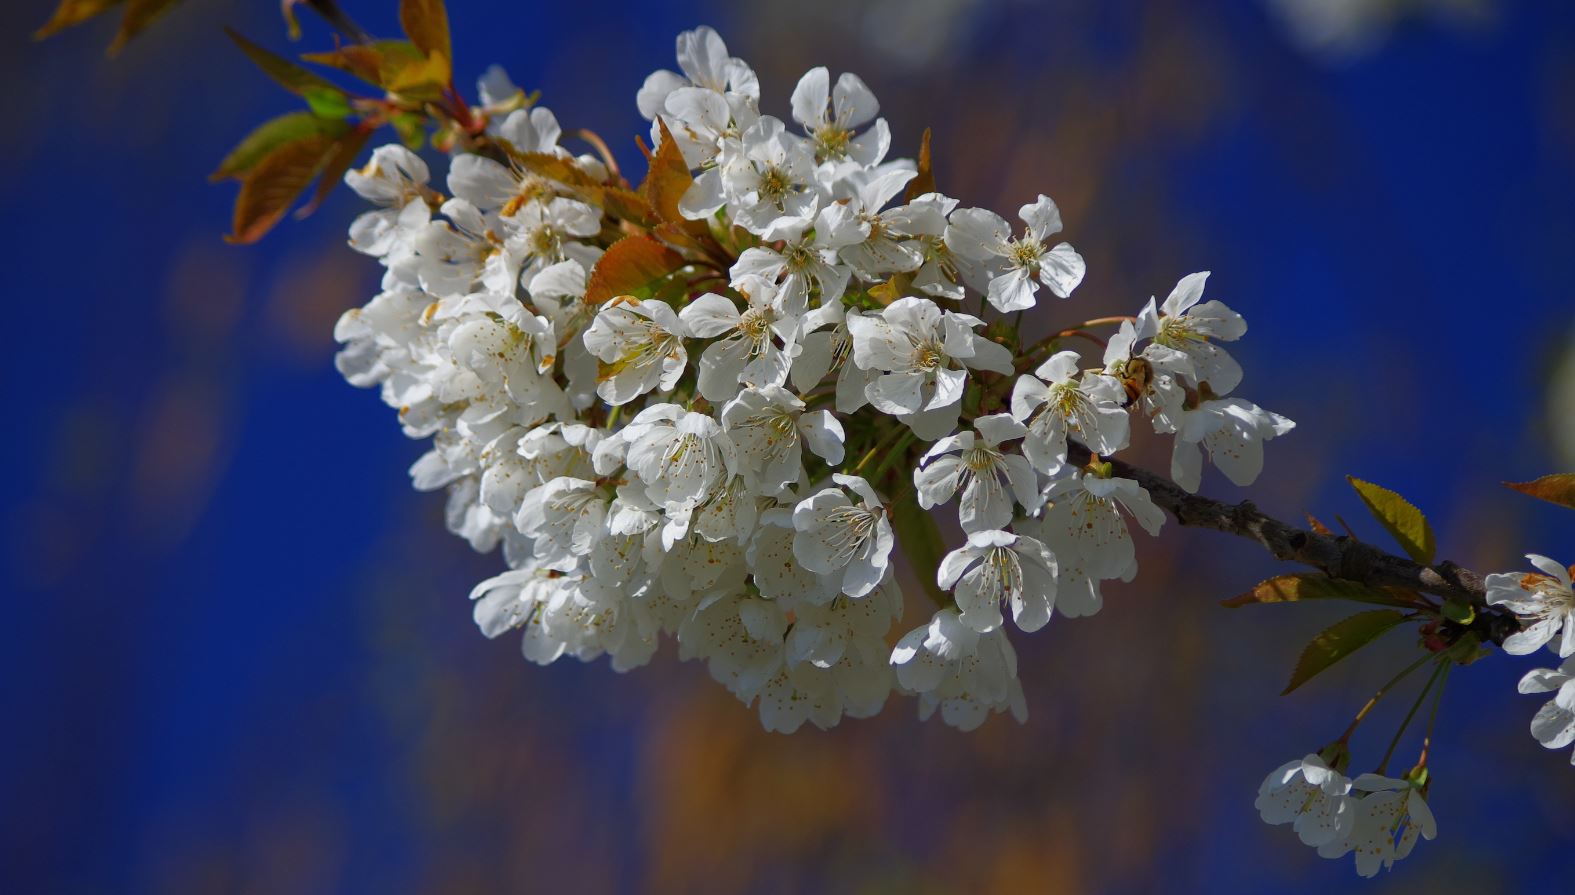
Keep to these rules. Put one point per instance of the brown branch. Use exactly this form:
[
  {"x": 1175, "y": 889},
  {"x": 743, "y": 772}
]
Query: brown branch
[{"x": 1339, "y": 557}]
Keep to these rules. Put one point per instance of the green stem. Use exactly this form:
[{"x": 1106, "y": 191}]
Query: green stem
[
  {"x": 896, "y": 452},
  {"x": 1383, "y": 766},
  {"x": 922, "y": 545},
  {"x": 1382, "y": 692},
  {"x": 885, "y": 440},
  {"x": 1432, "y": 721}
]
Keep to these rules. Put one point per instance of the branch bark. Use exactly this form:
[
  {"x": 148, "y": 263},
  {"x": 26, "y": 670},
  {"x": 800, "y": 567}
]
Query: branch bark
[{"x": 1339, "y": 557}]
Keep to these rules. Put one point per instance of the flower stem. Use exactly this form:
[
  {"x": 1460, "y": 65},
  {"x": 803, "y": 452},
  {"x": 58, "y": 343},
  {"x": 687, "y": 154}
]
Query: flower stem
[
  {"x": 884, "y": 441},
  {"x": 1382, "y": 692},
  {"x": 1432, "y": 721},
  {"x": 897, "y": 452},
  {"x": 1420, "y": 697}
]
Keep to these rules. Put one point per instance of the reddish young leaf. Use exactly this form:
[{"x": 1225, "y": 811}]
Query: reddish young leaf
[
  {"x": 631, "y": 263},
  {"x": 290, "y": 76},
  {"x": 629, "y": 206},
  {"x": 1558, "y": 488},
  {"x": 273, "y": 185},
  {"x": 71, "y": 13},
  {"x": 667, "y": 180},
  {"x": 272, "y": 134},
  {"x": 139, "y": 15},
  {"x": 344, "y": 154},
  {"x": 1316, "y": 586},
  {"x": 426, "y": 24}
]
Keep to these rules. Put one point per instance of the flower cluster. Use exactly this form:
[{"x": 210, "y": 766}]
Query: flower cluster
[
  {"x": 725, "y": 446},
  {"x": 1376, "y": 818},
  {"x": 1545, "y": 602}
]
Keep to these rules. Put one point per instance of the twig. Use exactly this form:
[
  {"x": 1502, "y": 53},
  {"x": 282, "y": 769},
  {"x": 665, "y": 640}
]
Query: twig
[{"x": 1342, "y": 557}]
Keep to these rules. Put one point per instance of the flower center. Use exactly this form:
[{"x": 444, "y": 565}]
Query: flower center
[
  {"x": 775, "y": 184},
  {"x": 1025, "y": 253},
  {"x": 980, "y": 458},
  {"x": 928, "y": 355},
  {"x": 831, "y": 141},
  {"x": 755, "y": 324}
]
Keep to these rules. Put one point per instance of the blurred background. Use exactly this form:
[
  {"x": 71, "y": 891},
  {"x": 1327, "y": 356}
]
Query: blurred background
[{"x": 240, "y": 657}]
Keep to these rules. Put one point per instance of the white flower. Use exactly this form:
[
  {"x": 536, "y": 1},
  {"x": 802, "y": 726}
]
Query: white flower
[
  {"x": 512, "y": 350},
  {"x": 683, "y": 457},
  {"x": 559, "y": 449},
  {"x": 921, "y": 352},
  {"x": 997, "y": 567},
  {"x": 756, "y": 346},
  {"x": 545, "y": 233},
  {"x": 876, "y": 243},
  {"x": 1311, "y": 796},
  {"x": 1185, "y": 332},
  {"x": 772, "y": 177},
  {"x": 640, "y": 345},
  {"x": 967, "y": 675},
  {"x": 1233, "y": 431},
  {"x": 394, "y": 179},
  {"x": 1014, "y": 265},
  {"x": 823, "y": 633},
  {"x": 834, "y": 534},
  {"x": 1056, "y": 402},
  {"x": 1554, "y": 724},
  {"x": 1390, "y": 814},
  {"x": 826, "y": 346},
  {"x": 566, "y": 516},
  {"x": 490, "y": 185},
  {"x": 741, "y": 639},
  {"x": 452, "y": 257},
  {"x": 508, "y": 601},
  {"x": 802, "y": 265},
  {"x": 974, "y": 462},
  {"x": 942, "y": 272},
  {"x": 702, "y": 55},
  {"x": 832, "y": 116},
  {"x": 775, "y": 570},
  {"x": 770, "y": 426},
  {"x": 1546, "y": 600},
  {"x": 1085, "y": 512}
]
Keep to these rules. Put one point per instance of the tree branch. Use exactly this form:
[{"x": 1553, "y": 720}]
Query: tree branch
[{"x": 1339, "y": 557}]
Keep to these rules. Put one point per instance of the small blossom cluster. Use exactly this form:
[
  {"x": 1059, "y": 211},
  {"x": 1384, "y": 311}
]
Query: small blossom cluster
[
  {"x": 1377, "y": 819},
  {"x": 1544, "y": 601},
  {"x": 719, "y": 455}
]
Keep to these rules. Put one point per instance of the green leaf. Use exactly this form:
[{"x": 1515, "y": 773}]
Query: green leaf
[
  {"x": 630, "y": 265},
  {"x": 327, "y": 103},
  {"x": 70, "y": 13},
  {"x": 290, "y": 76},
  {"x": 273, "y": 185},
  {"x": 1317, "y": 586},
  {"x": 1458, "y": 612},
  {"x": 1404, "y": 522},
  {"x": 1340, "y": 640},
  {"x": 411, "y": 129},
  {"x": 270, "y": 135},
  {"x": 1558, "y": 488}
]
